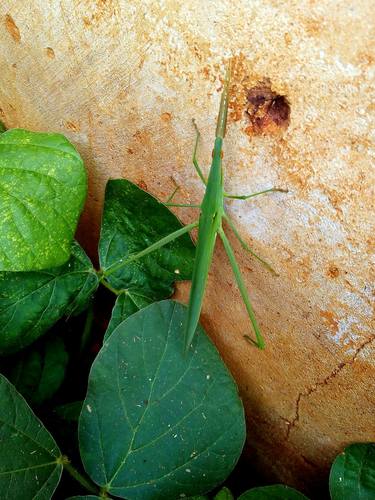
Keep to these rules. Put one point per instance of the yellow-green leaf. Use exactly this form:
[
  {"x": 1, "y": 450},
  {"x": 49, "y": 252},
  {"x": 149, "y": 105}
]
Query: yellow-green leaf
[{"x": 43, "y": 188}]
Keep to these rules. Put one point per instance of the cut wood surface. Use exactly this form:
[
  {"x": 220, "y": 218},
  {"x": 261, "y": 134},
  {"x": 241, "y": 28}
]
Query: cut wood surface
[{"x": 123, "y": 80}]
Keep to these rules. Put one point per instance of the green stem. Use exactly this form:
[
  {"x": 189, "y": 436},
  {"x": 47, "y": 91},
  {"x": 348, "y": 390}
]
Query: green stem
[
  {"x": 85, "y": 482},
  {"x": 88, "y": 325},
  {"x": 105, "y": 283},
  {"x": 158, "y": 244}
]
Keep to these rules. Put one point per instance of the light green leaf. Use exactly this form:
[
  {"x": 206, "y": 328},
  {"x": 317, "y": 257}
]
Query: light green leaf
[
  {"x": 38, "y": 372},
  {"x": 29, "y": 461},
  {"x": 132, "y": 221},
  {"x": 353, "y": 473},
  {"x": 274, "y": 492},
  {"x": 126, "y": 304},
  {"x": 30, "y": 303},
  {"x": 43, "y": 188},
  {"x": 224, "y": 494},
  {"x": 156, "y": 422}
]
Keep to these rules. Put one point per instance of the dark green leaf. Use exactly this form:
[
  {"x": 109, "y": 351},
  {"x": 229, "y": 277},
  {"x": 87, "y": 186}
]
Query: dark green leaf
[
  {"x": 156, "y": 422},
  {"x": 39, "y": 371},
  {"x": 353, "y": 473},
  {"x": 224, "y": 494},
  {"x": 43, "y": 188},
  {"x": 30, "y": 303},
  {"x": 84, "y": 497},
  {"x": 132, "y": 221},
  {"x": 29, "y": 459},
  {"x": 126, "y": 304},
  {"x": 2, "y": 127},
  {"x": 274, "y": 492},
  {"x": 69, "y": 411}
]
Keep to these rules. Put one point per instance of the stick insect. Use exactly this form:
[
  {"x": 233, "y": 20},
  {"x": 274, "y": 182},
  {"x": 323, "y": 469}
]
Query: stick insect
[{"x": 210, "y": 224}]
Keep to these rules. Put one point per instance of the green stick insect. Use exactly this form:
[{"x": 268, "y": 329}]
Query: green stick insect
[{"x": 210, "y": 224}]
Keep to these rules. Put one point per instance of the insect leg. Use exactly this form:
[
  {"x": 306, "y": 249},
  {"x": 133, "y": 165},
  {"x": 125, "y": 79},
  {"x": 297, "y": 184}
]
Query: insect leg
[
  {"x": 247, "y": 196},
  {"x": 195, "y": 161},
  {"x": 181, "y": 205},
  {"x": 246, "y": 247},
  {"x": 170, "y": 198},
  {"x": 259, "y": 342},
  {"x": 155, "y": 246}
]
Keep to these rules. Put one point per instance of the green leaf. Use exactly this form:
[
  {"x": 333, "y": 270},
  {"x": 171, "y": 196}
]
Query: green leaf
[
  {"x": 224, "y": 494},
  {"x": 132, "y": 221},
  {"x": 43, "y": 188},
  {"x": 353, "y": 473},
  {"x": 30, "y": 303},
  {"x": 2, "y": 127},
  {"x": 69, "y": 411},
  {"x": 29, "y": 462},
  {"x": 38, "y": 372},
  {"x": 274, "y": 492},
  {"x": 84, "y": 497},
  {"x": 156, "y": 422},
  {"x": 126, "y": 304}
]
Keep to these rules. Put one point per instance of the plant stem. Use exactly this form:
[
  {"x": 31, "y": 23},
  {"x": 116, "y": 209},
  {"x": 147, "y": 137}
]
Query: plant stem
[
  {"x": 88, "y": 326},
  {"x": 85, "y": 482},
  {"x": 105, "y": 283}
]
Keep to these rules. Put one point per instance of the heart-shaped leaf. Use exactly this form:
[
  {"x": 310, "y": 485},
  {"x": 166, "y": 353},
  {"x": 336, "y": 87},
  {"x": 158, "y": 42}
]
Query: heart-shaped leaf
[
  {"x": 132, "y": 221},
  {"x": 274, "y": 492},
  {"x": 43, "y": 188},
  {"x": 30, "y": 303},
  {"x": 127, "y": 303},
  {"x": 30, "y": 461},
  {"x": 38, "y": 372},
  {"x": 353, "y": 473},
  {"x": 156, "y": 422}
]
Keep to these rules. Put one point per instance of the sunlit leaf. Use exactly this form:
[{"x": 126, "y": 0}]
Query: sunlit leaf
[{"x": 43, "y": 188}]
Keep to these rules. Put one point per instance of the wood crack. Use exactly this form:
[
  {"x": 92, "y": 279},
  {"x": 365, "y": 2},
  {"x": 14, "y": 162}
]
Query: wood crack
[{"x": 310, "y": 390}]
